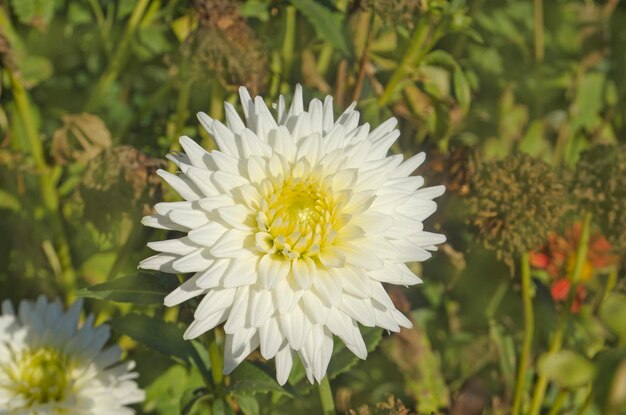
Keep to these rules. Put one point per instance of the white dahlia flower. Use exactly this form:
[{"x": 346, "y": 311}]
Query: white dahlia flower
[
  {"x": 48, "y": 366},
  {"x": 291, "y": 228}
]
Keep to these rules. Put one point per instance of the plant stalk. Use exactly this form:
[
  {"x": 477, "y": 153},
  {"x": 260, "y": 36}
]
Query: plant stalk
[
  {"x": 326, "y": 397},
  {"x": 416, "y": 51},
  {"x": 119, "y": 58},
  {"x": 529, "y": 328},
  {"x": 557, "y": 339},
  {"x": 47, "y": 186},
  {"x": 217, "y": 362},
  {"x": 289, "y": 41}
]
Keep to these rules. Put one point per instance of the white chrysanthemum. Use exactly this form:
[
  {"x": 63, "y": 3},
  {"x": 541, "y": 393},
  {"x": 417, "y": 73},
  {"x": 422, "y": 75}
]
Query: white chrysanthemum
[
  {"x": 48, "y": 366},
  {"x": 291, "y": 228}
]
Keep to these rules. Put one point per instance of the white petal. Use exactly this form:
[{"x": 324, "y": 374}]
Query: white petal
[
  {"x": 273, "y": 268},
  {"x": 197, "y": 155},
  {"x": 230, "y": 244},
  {"x": 317, "y": 311},
  {"x": 192, "y": 218},
  {"x": 237, "y": 317},
  {"x": 181, "y": 246},
  {"x": 284, "y": 362},
  {"x": 208, "y": 234},
  {"x": 160, "y": 262},
  {"x": 199, "y": 327},
  {"x": 295, "y": 326},
  {"x": 162, "y": 222},
  {"x": 270, "y": 338},
  {"x": 241, "y": 271},
  {"x": 297, "y": 106},
  {"x": 261, "y": 307},
  {"x": 383, "y": 129},
  {"x": 225, "y": 139},
  {"x": 359, "y": 309},
  {"x": 233, "y": 121},
  {"x": 237, "y": 216},
  {"x": 182, "y": 185},
  {"x": 183, "y": 293},
  {"x": 197, "y": 260},
  {"x": 215, "y": 300},
  {"x": 328, "y": 288},
  {"x": 409, "y": 165},
  {"x": 304, "y": 271},
  {"x": 231, "y": 361}
]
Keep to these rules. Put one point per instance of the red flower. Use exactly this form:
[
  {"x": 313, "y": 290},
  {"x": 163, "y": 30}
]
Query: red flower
[
  {"x": 558, "y": 258},
  {"x": 560, "y": 292}
]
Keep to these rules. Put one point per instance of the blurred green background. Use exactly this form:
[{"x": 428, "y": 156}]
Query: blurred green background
[{"x": 94, "y": 93}]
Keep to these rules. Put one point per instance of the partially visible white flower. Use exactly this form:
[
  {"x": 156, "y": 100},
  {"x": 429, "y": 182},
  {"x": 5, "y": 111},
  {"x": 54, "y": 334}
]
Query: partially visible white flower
[
  {"x": 291, "y": 228},
  {"x": 50, "y": 366}
]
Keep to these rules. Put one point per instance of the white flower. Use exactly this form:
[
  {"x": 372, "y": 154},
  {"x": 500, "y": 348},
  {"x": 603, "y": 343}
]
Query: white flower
[
  {"x": 291, "y": 227},
  {"x": 48, "y": 366}
]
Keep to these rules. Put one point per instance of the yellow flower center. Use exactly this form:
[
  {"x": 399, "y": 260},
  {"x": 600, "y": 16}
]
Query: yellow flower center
[
  {"x": 41, "y": 376},
  {"x": 296, "y": 218}
]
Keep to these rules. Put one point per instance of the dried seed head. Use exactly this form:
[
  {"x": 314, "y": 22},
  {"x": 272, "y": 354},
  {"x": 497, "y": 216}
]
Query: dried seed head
[
  {"x": 226, "y": 44},
  {"x": 514, "y": 203},
  {"x": 599, "y": 186},
  {"x": 120, "y": 180}
]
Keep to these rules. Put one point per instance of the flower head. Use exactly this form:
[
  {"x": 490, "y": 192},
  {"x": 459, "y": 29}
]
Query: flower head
[
  {"x": 599, "y": 186},
  {"x": 558, "y": 258},
  {"x": 49, "y": 366},
  {"x": 515, "y": 202},
  {"x": 291, "y": 228},
  {"x": 558, "y": 255}
]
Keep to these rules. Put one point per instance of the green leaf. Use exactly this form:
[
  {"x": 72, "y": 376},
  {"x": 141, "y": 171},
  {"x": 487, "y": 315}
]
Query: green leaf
[
  {"x": 566, "y": 368},
  {"x": 190, "y": 397},
  {"x": 441, "y": 58},
  {"x": 159, "y": 335},
  {"x": 248, "y": 404},
  {"x": 533, "y": 142},
  {"x": 609, "y": 387},
  {"x": 613, "y": 314},
  {"x": 343, "y": 359},
  {"x": 221, "y": 407},
  {"x": 461, "y": 89},
  {"x": 8, "y": 201},
  {"x": 164, "y": 393},
  {"x": 36, "y": 69},
  {"x": 30, "y": 11},
  {"x": 250, "y": 379},
  {"x": 588, "y": 101},
  {"x": 256, "y": 9},
  {"x": 328, "y": 24},
  {"x": 136, "y": 289}
]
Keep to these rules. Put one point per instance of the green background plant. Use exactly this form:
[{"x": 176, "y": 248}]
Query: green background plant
[{"x": 94, "y": 93}]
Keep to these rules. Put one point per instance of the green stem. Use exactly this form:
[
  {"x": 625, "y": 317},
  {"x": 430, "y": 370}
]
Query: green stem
[
  {"x": 610, "y": 282},
  {"x": 587, "y": 404},
  {"x": 529, "y": 328},
  {"x": 539, "y": 52},
  {"x": 289, "y": 41},
  {"x": 542, "y": 381},
  {"x": 416, "y": 51},
  {"x": 102, "y": 24},
  {"x": 323, "y": 60},
  {"x": 326, "y": 397},
  {"x": 119, "y": 58},
  {"x": 583, "y": 246},
  {"x": 47, "y": 186},
  {"x": 557, "y": 340},
  {"x": 217, "y": 362},
  {"x": 558, "y": 402}
]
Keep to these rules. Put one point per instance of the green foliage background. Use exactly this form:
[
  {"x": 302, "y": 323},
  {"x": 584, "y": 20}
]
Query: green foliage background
[{"x": 94, "y": 93}]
